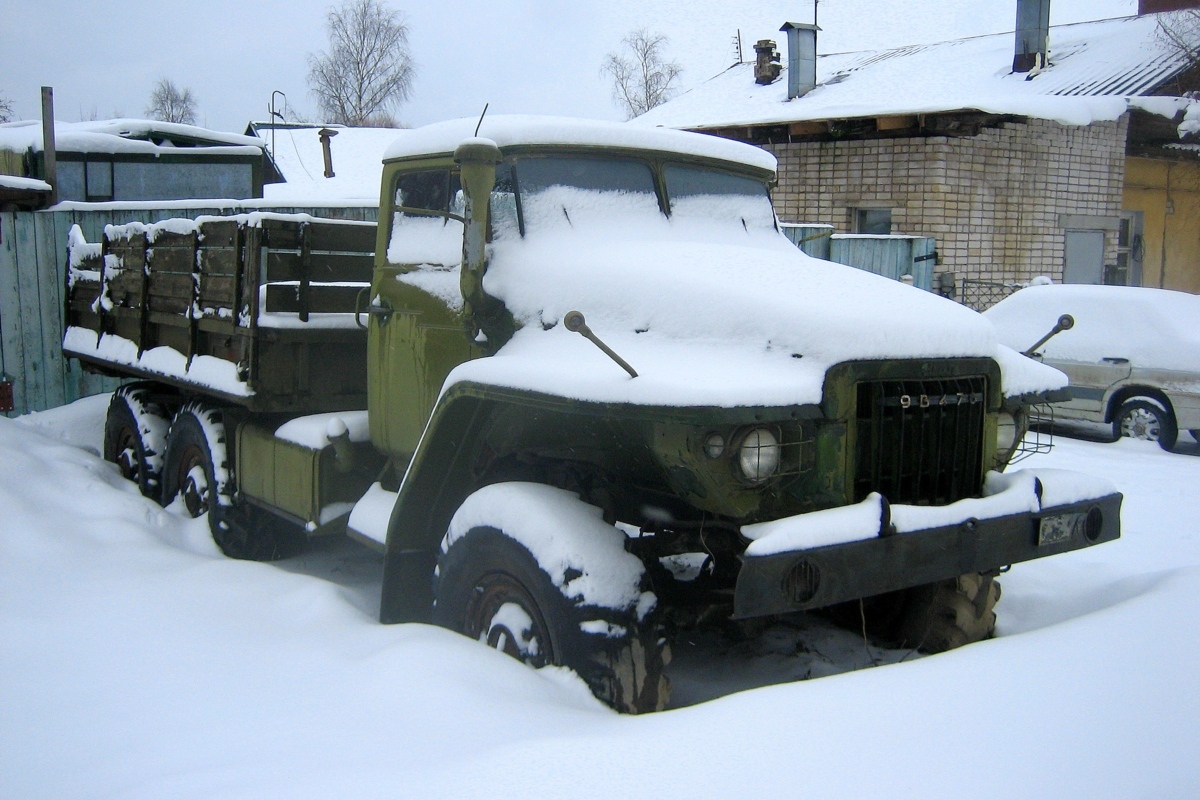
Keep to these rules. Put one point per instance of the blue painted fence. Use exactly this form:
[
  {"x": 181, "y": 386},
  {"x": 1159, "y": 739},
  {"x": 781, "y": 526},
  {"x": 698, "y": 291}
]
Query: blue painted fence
[
  {"x": 890, "y": 256},
  {"x": 33, "y": 260}
]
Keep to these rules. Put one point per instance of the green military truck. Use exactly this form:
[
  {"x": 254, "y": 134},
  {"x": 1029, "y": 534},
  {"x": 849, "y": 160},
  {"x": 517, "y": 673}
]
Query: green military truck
[{"x": 576, "y": 384}]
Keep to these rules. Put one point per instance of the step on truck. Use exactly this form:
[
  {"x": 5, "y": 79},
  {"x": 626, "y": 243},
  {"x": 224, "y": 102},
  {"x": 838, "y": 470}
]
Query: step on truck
[{"x": 576, "y": 385}]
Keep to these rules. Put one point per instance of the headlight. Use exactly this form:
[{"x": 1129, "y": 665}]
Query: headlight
[
  {"x": 759, "y": 455},
  {"x": 714, "y": 445},
  {"x": 1006, "y": 435}
]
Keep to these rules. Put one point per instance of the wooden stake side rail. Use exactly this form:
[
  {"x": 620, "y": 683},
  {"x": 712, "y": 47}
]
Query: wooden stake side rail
[{"x": 254, "y": 292}]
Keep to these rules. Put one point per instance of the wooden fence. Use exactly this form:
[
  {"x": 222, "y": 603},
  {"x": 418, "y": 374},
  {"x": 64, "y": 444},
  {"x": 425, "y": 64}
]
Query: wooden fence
[{"x": 33, "y": 258}]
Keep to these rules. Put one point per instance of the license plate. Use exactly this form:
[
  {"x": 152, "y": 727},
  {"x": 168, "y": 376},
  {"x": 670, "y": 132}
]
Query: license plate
[{"x": 1059, "y": 528}]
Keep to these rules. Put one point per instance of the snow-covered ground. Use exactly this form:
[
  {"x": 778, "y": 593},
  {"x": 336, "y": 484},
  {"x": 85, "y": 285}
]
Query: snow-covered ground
[{"x": 136, "y": 662}]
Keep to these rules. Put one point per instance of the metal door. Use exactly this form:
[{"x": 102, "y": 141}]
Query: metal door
[{"x": 1084, "y": 257}]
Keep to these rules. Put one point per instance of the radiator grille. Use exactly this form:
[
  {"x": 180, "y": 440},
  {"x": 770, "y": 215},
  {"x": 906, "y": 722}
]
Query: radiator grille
[{"x": 920, "y": 442}]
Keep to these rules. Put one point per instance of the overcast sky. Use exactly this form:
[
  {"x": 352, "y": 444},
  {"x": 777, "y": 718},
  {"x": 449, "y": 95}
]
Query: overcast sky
[{"x": 103, "y": 56}]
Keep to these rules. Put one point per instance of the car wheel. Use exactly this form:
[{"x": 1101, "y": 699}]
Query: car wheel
[{"x": 1142, "y": 418}]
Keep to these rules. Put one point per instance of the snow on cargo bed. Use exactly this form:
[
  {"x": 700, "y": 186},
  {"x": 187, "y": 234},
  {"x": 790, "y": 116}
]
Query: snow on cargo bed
[
  {"x": 1153, "y": 328},
  {"x": 708, "y": 312}
]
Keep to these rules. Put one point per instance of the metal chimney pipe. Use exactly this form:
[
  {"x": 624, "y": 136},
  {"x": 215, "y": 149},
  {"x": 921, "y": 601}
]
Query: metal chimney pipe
[
  {"x": 49, "y": 149},
  {"x": 1033, "y": 35},
  {"x": 802, "y": 58},
  {"x": 325, "y": 135}
]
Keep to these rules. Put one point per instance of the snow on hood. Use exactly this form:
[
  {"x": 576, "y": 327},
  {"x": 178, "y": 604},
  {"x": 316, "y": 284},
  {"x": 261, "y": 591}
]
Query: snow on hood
[{"x": 711, "y": 317}]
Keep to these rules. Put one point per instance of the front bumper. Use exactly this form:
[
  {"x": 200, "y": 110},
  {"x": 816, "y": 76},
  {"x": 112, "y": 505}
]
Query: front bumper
[{"x": 889, "y": 560}]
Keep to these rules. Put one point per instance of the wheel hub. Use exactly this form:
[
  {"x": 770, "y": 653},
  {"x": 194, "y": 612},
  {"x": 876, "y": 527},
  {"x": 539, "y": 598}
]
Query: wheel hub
[
  {"x": 193, "y": 482},
  {"x": 128, "y": 460},
  {"x": 503, "y": 615},
  {"x": 1141, "y": 424}
]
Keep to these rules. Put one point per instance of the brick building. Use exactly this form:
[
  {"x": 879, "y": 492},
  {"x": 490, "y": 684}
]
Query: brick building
[{"x": 1015, "y": 173}]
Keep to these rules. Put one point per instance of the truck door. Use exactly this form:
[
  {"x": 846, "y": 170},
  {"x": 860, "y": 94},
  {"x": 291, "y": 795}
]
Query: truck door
[{"x": 416, "y": 331}]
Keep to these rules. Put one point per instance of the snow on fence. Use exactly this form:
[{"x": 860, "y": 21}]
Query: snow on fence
[{"x": 33, "y": 263}]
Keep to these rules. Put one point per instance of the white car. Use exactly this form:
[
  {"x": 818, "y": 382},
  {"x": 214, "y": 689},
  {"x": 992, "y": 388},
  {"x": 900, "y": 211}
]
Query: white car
[{"x": 1133, "y": 354}]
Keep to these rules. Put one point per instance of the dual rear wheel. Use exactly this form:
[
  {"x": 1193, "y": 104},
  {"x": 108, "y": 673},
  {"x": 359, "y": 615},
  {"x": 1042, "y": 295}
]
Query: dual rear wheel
[{"x": 183, "y": 457}]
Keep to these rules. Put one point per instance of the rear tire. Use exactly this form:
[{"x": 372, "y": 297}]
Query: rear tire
[
  {"x": 135, "y": 434},
  {"x": 198, "y": 471},
  {"x": 491, "y": 589},
  {"x": 1147, "y": 420}
]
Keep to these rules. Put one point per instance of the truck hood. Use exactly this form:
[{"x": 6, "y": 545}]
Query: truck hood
[{"x": 712, "y": 315}]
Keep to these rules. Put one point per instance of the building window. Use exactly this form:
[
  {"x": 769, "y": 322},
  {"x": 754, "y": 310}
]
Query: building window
[
  {"x": 99, "y": 177},
  {"x": 873, "y": 220}
]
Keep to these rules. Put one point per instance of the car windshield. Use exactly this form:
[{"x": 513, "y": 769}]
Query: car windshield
[
  {"x": 577, "y": 191},
  {"x": 696, "y": 193}
]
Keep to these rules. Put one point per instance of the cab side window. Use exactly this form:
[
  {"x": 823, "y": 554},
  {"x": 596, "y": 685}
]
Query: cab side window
[{"x": 426, "y": 239}]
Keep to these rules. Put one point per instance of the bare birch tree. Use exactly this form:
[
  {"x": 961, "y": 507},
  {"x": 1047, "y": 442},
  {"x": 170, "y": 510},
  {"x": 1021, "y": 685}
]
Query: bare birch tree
[
  {"x": 642, "y": 77},
  {"x": 6, "y": 109},
  {"x": 169, "y": 103},
  {"x": 1181, "y": 31},
  {"x": 367, "y": 71}
]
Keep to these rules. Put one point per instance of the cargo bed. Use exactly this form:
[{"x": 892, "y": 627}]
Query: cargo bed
[{"x": 256, "y": 309}]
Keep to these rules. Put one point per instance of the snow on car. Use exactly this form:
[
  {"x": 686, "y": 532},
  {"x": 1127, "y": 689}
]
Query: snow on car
[{"x": 1132, "y": 354}]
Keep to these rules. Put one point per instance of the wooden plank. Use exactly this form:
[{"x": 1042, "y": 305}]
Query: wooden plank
[
  {"x": 321, "y": 298},
  {"x": 323, "y": 268},
  {"x": 11, "y": 342},
  {"x": 51, "y": 277},
  {"x": 31, "y": 330},
  {"x": 63, "y": 222},
  {"x": 219, "y": 233},
  {"x": 217, "y": 260},
  {"x": 341, "y": 238},
  {"x": 179, "y": 260}
]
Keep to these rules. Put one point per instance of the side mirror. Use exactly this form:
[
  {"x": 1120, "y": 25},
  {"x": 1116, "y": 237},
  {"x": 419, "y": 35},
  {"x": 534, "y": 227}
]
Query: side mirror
[{"x": 477, "y": 159}]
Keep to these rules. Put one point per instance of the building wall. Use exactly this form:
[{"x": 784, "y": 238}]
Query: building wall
[
  {"x": 993, "y": 201},
  {"x": 1171, "y": 257}
]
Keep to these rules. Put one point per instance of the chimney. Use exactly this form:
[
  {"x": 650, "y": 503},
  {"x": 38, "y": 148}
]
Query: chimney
[
  {"x": 802, "y": 58},
  {"x": 325, "y": 135},
  {"x": 1033, "y": 35},
  {"x": 766, "y": 63},
  {"x": 49, "y": 147},
  {"x": 1156, "y": 6}
]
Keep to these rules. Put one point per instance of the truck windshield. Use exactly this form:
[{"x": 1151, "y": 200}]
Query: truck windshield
[
  {"x": 714, "y": 196},
  {"x": 581, "y": 191}
]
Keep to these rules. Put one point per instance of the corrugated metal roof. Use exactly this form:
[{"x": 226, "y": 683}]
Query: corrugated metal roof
[{"x": 1116, "y": 58}]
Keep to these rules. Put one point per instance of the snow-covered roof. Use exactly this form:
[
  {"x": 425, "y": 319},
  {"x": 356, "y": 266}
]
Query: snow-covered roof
[
  {"x": 24, "y": 184},
  {"x": 296, "y": 149},
  {"x": 1094, "y": 67},
  {"x": 126, "y": 136},
  {"x": 513, "y": 130}
]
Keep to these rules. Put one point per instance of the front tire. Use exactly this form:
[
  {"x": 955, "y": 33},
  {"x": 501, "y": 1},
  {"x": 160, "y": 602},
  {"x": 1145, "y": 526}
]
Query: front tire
[
  {"x": 491, "y": 589},
  {"x": 931, "y": 618},
  {"x": 1147, "y": 420}
]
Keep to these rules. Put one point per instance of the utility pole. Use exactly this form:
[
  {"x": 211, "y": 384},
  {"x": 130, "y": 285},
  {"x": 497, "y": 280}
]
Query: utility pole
[{"x": 49, "y": 153}]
